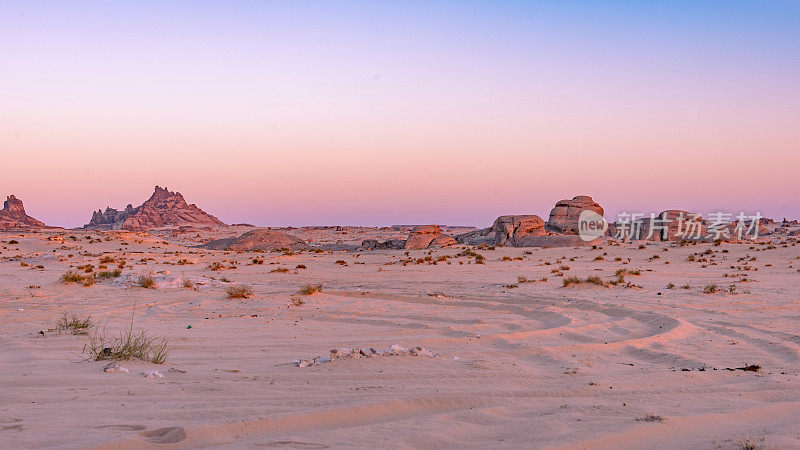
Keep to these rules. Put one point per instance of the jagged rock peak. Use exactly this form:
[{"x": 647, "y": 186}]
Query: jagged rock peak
[
  {"x": 163, "y": 208},
  {"x": 13, "y": 216}
]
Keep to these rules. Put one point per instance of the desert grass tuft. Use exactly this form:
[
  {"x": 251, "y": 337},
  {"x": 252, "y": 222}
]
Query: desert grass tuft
[
  {"x": 74, "y": 277},
  {"x": 74, "y": 324},
  {"x": 189, "y": 284},
  {"x": 311, "y": 289},
  {"x": 109, "y": 274},
  {"x": 128, "y": 345},
  {"x": 146, "y": 281},
  {"x": 650, "y": 418},
  {"x": 239, "y": 291}
]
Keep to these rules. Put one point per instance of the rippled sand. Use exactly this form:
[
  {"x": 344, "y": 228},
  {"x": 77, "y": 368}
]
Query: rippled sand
[{"x": 531, "y": 364}]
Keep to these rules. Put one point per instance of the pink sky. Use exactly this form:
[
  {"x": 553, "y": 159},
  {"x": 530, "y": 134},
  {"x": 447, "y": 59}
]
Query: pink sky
[{"x": 283, "y": 117}]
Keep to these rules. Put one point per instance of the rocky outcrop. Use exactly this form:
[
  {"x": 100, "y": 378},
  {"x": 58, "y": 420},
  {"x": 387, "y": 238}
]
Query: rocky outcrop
[
  {"x": 163, "y": 208},
  {"x": 513, "y": 231},
  {"x": 13, "y": 216},
  {"x": 261, "y": 239},
  {"x": 391, "y": 244},
  {"x": 421, "y": 236},
  {"x": 564, "y": 216},
  {"x": 442, "y": 241}
]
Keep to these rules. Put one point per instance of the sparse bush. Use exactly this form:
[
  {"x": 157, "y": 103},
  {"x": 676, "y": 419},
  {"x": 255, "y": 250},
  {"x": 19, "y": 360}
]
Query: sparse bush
[
  {"x": 650, "y": 418},
  {"x": 189, "y": 284},
  {"x": 107, "y": 260},
  {"x": 74, "y": 324},
  {"x": 126, "y": 346},
  {"x": 311, "y": 289},
  {"x": 146, "y": 281},
  {"x": 73, "y": 277},
  {"x": 109, "y": 274},
  {"x": 592, "y": 280},
  {"x": 710, "y": 289},
  {"x": 595, "y": 280},
  {"x": 216, "y": 265},
  {"x": 297, "y": 302},
  {"x": 239, "y": 291},
  {"x": 279, "y": 270}
]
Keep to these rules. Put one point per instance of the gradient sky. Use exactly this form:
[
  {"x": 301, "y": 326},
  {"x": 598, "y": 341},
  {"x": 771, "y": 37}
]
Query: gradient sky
[{"x": 376, "y": 113}]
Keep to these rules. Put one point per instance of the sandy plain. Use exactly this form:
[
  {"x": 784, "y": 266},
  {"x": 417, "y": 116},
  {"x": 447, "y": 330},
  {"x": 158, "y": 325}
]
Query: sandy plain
[{"x": 517, "y": 364}]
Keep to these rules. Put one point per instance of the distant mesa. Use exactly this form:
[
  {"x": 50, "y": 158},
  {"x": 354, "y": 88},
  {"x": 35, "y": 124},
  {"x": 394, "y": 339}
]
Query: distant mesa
[
  {"x": 13, "y": 217},
  {"x": 164, "y": 208},
  {"x": 261, "y": 239}
]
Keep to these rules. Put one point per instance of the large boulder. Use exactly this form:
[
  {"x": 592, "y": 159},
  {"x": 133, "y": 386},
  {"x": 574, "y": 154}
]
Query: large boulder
[
  {"x": 261, "y": 239},
  {"x": 421, "y": 236},
  {"x": 512, "y": 230},
  {"x": 564, "y": 216},
  {"x": 391, "y": 244},
  {"x": 442, "y": 241}
]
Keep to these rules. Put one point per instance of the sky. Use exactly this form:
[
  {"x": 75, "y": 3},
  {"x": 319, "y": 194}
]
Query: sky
[{"x": 379, "y": 113}]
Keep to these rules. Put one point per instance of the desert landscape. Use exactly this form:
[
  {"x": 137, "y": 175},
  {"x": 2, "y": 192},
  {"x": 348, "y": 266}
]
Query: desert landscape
[
  {"x": 399, "y": 225},
  {"x": 193, "y": 333}
]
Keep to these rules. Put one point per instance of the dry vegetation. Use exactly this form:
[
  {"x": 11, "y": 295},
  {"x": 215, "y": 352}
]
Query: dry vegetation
[{"x": 239, "y": 291}]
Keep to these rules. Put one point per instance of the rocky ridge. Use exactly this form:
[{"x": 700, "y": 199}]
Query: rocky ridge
[{"x": 163, "y": 208}]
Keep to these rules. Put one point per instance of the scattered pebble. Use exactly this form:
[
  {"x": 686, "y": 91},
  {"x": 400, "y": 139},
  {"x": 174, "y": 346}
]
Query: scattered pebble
[
  {"x": 152, "y": 374},
  {"x": 114, "y": 367},
  {"x": 347, "y": 353}
]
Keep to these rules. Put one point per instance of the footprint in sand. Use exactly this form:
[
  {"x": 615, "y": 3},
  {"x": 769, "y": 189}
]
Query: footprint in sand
[
  {"x": 166, "y": 435},
  {"x": 122, "y": 427},
  {"x": 10, "y": 425},
  {"x": 294, "y": 444}
]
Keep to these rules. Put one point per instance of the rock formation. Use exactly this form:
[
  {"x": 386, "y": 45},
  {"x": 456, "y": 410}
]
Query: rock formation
[
  {"x": 261, "y": 239},
  {"x": 163, "y": 208},
  {"x": 13, "y": 216},
  {"x": 564, "y": 216},
  {"x": 514, "y": 231},
  {"x": 670, "y": 225},
  {"x": 391, "y": 244},
  {"x": 421, "y": 236}
]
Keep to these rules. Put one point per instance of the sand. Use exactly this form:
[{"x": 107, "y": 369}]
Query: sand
[{"x": 522, "y": 365}]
